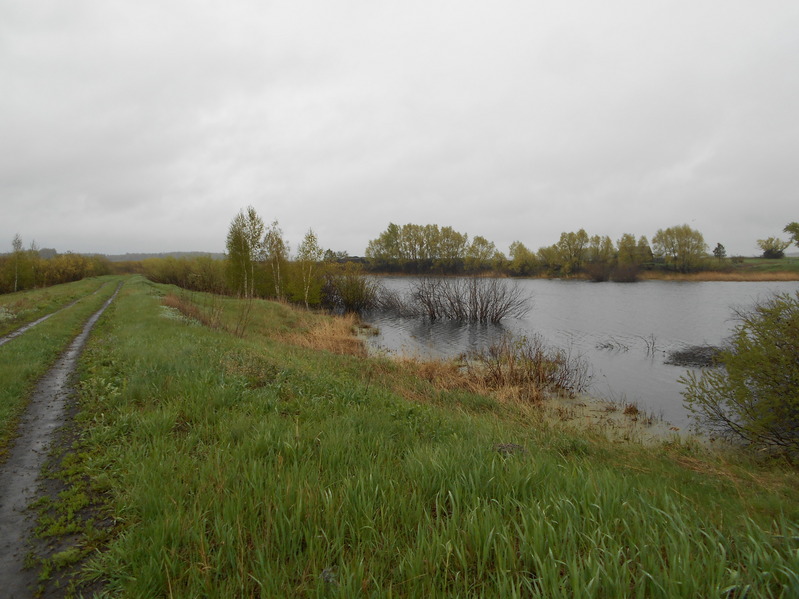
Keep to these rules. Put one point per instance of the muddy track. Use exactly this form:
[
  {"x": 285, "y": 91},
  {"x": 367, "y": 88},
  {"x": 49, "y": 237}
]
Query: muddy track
[
  {"x": 19, "y": 474},
  {"x": 14, "y": 334}
]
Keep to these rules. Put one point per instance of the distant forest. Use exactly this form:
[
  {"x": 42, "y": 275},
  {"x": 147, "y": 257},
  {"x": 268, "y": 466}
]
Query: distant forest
[{"x": 144, "y": 256}]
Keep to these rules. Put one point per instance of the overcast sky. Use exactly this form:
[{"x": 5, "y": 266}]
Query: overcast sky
[{"x": 146, "y": 126}]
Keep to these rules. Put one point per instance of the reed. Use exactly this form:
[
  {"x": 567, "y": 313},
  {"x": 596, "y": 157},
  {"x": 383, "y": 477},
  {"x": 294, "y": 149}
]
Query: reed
[
  {"x": 721, "y": 276},
  {"x": 335, "y": 334},
  {"x": 532, "y": 367}
]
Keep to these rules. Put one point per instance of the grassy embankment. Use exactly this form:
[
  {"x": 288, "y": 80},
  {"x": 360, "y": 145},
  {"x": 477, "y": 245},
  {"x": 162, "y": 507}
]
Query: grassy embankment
[
  {"x": 751, "y": 269},
  {"x": 25, "y": 359},
  {"x": 256, "y": 467}
]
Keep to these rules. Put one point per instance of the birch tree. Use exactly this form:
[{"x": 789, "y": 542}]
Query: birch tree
[
  {"x": 244, "y": 248},
  {"x": 16, "y": 245},
  {"x": 276, "y": 251},
  {"x": 309, "y": 254}
]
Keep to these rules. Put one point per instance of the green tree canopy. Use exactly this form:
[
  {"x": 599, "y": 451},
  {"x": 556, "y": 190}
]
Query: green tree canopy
[
  {"x": 522, "y": 260},
  {"x": 309, "y": 254},
  {"x": 572, "y": 248},
  {"x": 276, "y": 252},
  {"x": 244, "y": 249},
  {"x": 773, "y": 247},
  {"x": 793, "y": 230},
  {"x": 415, "y": 248},
  {"x": 682, "y": 247}
]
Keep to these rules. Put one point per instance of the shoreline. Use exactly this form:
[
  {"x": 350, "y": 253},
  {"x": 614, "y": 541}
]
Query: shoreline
[
  {"x": 698, "y": 277},
  {"x": 617, "y": 421}
]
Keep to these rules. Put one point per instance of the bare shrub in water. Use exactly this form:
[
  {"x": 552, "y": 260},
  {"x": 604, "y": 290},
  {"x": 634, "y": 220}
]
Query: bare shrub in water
[
  {"x": 473, "y": 299},
  {"x": 528, "y": 364}
]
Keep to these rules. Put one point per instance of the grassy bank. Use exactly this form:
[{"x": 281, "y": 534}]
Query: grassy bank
[
  {"x": 24, "y": 359},
  {"x": 260, "y": 466}
]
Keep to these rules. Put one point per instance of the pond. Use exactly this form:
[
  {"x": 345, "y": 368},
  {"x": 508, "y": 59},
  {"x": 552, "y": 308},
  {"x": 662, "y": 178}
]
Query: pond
[{"x": 611, "y": 325}]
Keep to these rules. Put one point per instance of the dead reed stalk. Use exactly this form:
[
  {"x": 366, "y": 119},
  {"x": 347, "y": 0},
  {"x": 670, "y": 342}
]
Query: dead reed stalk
[{"x": 335, "y": 334}]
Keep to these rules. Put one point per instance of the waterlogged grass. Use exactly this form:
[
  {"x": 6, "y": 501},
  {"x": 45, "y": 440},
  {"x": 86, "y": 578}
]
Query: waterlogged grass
[
  {"x": 18, "y": 309},
  {"x": 253, "y": 467},
  {"x": 26, "y": 358}
]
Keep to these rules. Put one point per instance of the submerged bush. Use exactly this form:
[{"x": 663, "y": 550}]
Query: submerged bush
[
  {"x": 472, "y": 299},
  {"x": 699, "y": 356},
  {"x": 754, "y": 396}
]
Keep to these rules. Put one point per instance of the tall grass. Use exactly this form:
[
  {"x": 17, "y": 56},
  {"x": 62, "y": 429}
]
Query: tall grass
[{"x": 255, "y": 468}]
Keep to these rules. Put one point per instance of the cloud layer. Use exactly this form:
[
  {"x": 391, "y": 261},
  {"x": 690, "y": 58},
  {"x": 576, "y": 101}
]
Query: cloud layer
[{"x": 146, "y": 126}]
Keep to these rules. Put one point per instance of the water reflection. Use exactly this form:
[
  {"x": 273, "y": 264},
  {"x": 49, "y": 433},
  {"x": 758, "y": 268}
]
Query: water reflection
[{"x": 425, "y": 339}]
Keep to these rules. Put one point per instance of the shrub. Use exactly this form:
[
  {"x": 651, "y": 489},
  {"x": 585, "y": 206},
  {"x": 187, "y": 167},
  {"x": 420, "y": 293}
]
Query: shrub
[
  {"x": 467, "y": 299},
  {"x": 625, "y": 273},
  {"x": 349, "y": 290},
  {"x": 599, "y": 271},
  {"x": 754, "y": 396},
  {"x": 699, "y": 356},
  {"x": 530, "y": 365}
]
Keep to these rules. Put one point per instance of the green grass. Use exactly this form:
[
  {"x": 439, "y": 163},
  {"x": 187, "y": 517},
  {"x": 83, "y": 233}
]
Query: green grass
[
  {"x": 788, "y": 264},
  {"x": 252, "y": 468},
  {"x": 25, "y": 359},
  {"x": 18, "y": 309}
]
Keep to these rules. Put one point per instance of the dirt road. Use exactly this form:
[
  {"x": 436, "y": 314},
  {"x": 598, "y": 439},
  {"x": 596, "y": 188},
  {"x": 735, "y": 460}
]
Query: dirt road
[
  {"x": 14, "y": 334},
  {"x": 19, "y": 474}
]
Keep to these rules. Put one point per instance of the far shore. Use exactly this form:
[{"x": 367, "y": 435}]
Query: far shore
[{"x": 709, "y": 275}]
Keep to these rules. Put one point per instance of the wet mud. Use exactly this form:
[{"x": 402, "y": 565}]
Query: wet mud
[{"x": 20, "y": 473}]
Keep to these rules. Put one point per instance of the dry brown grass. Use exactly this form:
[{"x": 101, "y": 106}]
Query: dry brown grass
[
  {"x": 210, "y": 319},
  {"x": 443, "y": 375},
  {"x": 720, "y": 276},
  {"x": 631, "y": 409},
  {"x": 335, "y": 334}
]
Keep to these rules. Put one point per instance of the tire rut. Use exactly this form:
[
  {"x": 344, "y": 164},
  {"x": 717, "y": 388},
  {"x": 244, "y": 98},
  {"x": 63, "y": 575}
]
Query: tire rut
[
  {"x": 26, "y": 327},
  {"x": 20, "y": 473}
]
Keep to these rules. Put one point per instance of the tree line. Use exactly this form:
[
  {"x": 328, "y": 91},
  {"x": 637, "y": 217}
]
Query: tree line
[
  {"x": 258, "y": 261},
  {"x": 31, "y": 267},
  {"x": 259, "y": 264},
  {"x": 423, "y": 249}
]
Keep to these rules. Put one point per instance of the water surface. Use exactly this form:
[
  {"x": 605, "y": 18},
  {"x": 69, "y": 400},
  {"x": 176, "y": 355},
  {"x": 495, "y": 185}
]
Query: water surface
[{"x": 611, "y": 325}]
